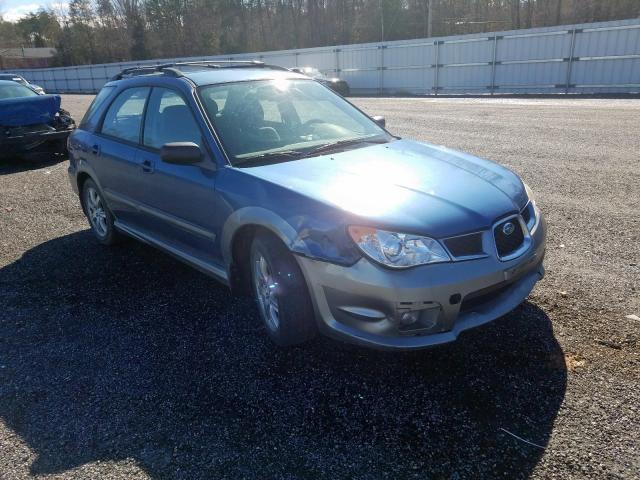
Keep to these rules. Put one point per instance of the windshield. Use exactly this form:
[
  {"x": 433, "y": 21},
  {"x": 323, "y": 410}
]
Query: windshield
[
  {"x": 15, "y": 90},
  {"x": 14, "y": 78},
  {"x": 282, "y": 119}
]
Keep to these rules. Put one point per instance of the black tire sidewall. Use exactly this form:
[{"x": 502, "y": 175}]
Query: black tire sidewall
[{"x": 296, "y": 315}]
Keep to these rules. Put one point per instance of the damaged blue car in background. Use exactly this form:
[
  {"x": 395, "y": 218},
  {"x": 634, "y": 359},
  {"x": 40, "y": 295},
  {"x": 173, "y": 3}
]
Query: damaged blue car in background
[{"x": 30, "y": 122}]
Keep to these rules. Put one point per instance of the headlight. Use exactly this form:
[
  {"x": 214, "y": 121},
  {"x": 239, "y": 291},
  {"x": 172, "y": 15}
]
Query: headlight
[{"x": 397, "y": 250}]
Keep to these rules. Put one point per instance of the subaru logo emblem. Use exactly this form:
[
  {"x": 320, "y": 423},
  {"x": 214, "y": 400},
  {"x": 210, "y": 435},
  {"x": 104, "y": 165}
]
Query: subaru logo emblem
[{"x": 508, "y": 228}]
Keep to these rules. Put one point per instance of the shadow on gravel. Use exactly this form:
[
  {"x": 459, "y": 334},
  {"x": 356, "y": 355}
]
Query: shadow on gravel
[
  {"x": 109, "y": 354},
  {"x": 31, "y": 161}
]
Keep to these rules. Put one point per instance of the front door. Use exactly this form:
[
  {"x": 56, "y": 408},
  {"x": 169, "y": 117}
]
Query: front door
[{"x": 178, "y": 201}]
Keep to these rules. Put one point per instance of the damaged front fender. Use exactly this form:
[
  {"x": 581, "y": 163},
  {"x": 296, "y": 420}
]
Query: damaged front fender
[{"x": 303, "y": 235}]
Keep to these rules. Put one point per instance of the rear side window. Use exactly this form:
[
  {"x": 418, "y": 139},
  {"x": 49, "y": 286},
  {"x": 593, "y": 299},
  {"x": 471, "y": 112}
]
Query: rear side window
[
  {"x": 97, "y": 103},
  {"x": 124, "y": 117},
  {"x": 169, "y": 119}
]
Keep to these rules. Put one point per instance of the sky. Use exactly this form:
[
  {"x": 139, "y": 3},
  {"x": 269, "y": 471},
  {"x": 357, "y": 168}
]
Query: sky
[{"x": 12, "y": 10}]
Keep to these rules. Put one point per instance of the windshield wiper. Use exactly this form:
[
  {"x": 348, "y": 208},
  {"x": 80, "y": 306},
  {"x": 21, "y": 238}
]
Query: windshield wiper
[
  {"x": 264, "y": 158},
  {"x": 261, "y": 158},
  {"x": 340, "y": 143}
]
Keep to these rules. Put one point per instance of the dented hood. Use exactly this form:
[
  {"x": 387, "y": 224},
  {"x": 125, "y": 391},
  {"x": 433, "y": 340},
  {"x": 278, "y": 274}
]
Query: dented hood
[
  {"x": 411, "y": 186},
  {"x": 18, "y": 112}
]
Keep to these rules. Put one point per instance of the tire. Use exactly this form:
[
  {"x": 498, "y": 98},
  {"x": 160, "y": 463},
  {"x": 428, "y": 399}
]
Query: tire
[
  {"x": 278, "y": 282},
  {"x": 98, "y": 213}
]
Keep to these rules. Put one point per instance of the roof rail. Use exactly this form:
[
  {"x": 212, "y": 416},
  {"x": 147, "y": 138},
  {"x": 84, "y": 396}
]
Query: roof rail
[{"x": 173, "y": 68}]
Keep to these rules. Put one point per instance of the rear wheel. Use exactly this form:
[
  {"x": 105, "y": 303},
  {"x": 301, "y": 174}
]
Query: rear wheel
[
  {"x": 281, "y": 292},
  {"x": 98, "y": 214}
]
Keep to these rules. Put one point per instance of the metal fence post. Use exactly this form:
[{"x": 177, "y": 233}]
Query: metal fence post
[
  {"x": 337, "y": 62},
  {"x": 381, "y": 68},
  {"x": 493, "y": 64},
  {"x": 437, "y": 66},
  {"x": 569, "y": 65}
]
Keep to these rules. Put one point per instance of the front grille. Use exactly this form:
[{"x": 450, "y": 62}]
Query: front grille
[
  {"x": 508, "y": 243},
  {"x": 465, "y": 245}
]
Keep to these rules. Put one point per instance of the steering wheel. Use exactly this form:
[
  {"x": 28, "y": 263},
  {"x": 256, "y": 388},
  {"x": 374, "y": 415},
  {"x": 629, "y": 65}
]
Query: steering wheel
[
  {"x": 307, "y": 127},
  {"x": 313, "y": 121}
]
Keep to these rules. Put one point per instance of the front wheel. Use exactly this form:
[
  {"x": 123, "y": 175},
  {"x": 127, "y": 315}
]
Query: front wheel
[{"x": 281, "y": 292}]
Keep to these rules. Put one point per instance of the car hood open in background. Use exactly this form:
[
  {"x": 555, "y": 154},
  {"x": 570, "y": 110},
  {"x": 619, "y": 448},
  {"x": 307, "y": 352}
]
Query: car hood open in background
[
  {"x": 17, "y": 112},
  {"x": 413, "y": 186}
]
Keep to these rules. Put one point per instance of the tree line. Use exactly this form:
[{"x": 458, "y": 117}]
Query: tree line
[{"x": 100, "y": 31}]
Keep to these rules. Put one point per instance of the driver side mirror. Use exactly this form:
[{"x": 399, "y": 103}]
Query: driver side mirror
[
  {"x": 181, "y": 153},
  {"x": 380, "y": 121}
]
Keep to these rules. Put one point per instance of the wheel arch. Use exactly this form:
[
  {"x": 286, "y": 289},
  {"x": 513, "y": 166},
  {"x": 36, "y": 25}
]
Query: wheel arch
[
  {"x": 238, "y": 233},
  {"x": 81, "y": 179}
]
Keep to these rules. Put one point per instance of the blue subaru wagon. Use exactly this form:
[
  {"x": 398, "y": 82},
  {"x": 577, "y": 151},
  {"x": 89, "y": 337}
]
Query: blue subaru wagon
[{"x": 273, "y": 184}]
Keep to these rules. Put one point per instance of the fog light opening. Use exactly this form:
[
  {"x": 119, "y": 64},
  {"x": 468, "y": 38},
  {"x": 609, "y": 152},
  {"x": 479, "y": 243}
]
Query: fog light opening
[{"x": 409, "y": 318}]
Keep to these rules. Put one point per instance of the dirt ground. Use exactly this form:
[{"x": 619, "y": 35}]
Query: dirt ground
[{"x": 123, "y": 363}]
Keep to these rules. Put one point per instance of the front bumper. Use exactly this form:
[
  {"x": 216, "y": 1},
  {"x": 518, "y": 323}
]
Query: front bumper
[
  {"x": 365, "y": 303},
  {"x": 29, "y": 139}
]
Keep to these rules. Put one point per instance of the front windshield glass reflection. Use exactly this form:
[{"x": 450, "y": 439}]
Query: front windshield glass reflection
[{"x": 285, "y": 118}]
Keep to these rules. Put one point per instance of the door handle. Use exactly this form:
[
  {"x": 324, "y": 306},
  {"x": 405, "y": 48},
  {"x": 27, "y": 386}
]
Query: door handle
[
  {"x": 95, "y": 149},
  {"x": 147, "y": 166}
]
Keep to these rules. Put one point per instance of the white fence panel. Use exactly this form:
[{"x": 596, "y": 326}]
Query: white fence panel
[
  {"x": 597, "y": 57},
  {"x": 470, "y": 78},
  {"x": 531, "y": 74},
  {"x": 608, "y": 42},
  {"x": 606, "y": 72},
  {"x": 539, "y": 47},
  {"x": 324, "y": 61},
  {"x": 460, "y": 52}
]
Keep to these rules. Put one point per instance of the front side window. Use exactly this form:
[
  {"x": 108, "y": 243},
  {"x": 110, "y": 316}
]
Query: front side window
[
  {"x": 15, "y": 90},
  {"x": 169, "y": 119},
  {"x": 290, "y": 118},
  {"x": 124, "y": 117}
]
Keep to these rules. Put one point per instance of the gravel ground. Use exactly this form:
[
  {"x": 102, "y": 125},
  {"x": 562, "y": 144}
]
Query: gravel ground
[{"x": 122, "y": 363}]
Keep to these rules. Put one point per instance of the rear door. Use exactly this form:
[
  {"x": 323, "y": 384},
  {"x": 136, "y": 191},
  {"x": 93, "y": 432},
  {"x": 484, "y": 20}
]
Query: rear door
[
  {"x": 179, "y": 200},
  {"x": 115, "y": 154}
]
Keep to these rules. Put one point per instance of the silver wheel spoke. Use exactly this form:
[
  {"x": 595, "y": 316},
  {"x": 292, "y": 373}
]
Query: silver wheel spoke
[
  {"x": 97, "y": 214},
  {"x": 266, "y": 292},
  {"x": 264, "y": 269}
]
